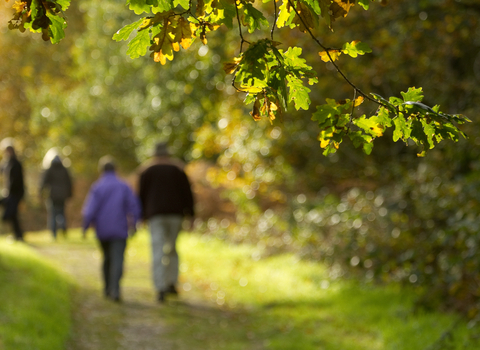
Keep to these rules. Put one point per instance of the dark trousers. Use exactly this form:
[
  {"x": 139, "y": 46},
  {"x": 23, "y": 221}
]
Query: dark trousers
[
  {"x": 56, "y": 216},
  {"x": 11, "y": 215},
  {"x": 113, "y": 252}
]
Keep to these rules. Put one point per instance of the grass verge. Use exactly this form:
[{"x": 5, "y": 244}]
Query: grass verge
[
  {"x": 35, "y": 300},
  {"x": 284, "y": 303}
]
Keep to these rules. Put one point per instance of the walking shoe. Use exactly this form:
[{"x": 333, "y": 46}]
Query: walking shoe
[
  {"x": 161, "y": 297},
  {"x": 172, "y": 290}
]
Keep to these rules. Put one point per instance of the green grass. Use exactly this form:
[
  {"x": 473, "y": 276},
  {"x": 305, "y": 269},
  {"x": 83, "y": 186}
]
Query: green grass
[
  {"x": 35, "y": 300},
  {"x": 283, "y": 303},
  {"x": 292, "y": 304},
  {"x": 230, "y": 298}
]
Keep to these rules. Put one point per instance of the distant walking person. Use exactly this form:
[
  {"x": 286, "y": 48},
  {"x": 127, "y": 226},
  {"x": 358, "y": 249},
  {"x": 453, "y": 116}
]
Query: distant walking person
[
  {"x": 166, "y": 197},
  {"x": 56, "y": 179},
  {"x": 113, "y": 209},
  {"x": 13, "y": 190}
]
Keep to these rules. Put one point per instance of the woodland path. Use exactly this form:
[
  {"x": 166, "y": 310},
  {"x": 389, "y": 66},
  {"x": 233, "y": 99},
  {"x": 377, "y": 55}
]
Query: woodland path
[{"x": 138, "y": 322}]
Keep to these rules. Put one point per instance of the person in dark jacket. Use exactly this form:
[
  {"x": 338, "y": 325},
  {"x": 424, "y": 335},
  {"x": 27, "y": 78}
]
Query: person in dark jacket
[
  {"x": 113, "y": 209},
  {"x": 13, "y": 191},
  {"x": 57, "y": 180},
  {"x": 166, "y": 197}
]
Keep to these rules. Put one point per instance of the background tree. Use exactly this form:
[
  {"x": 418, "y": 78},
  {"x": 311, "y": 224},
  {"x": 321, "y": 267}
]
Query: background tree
[{"x": 388, "y": 216}]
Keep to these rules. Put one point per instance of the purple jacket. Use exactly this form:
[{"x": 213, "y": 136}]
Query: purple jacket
[{"x": 110, "y": 206}]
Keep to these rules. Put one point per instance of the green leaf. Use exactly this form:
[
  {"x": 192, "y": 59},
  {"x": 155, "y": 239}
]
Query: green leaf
[
  {"x": 298, "y": 93},
  {"x": 57, "y": 28},
  {"x": 385, "y": 103},
  {"x": 429, "y": 130},
  {"x": 293, "y": 59},
  {"x": 285, "y": 16},
  {"x": 384, "y": 117},
  {"x": 138, "y": 6},
  {"x": 125, "y": 32},
  {"x": 413, "y": 95},
  {"x": 138, "y": 45},
  {"x": 364, "y": 3},
  {"x": 356, "y": 48},
  {"x": 165, "y": 5},
  {"x": 325, "y": 115},
  {"x": 315, "y": 6},
  {"x": 402, "y": 128},
  {"x": 369, "y": 125},
  {"x": 183, "y": 3},
  {"x": 418, "y": 135},
  {"x": 223, "y": 13},
  {"x": 63, "y": 3},
  {"x": 252, "y": 70},
  {"x": 253, "y": 18}
]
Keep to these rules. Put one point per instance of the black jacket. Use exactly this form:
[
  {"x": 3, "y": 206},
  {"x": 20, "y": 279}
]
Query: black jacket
[
  {"x": 165, "y": 189},
  {"x": 58, "y": 181},
  {"x": 13, "y": 172}
]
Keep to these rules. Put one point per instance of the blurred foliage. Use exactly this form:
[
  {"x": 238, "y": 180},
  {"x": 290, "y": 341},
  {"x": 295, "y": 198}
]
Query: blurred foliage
[
  {"x": 388, "y": 216},
  {"x": 272, "y": 77}
]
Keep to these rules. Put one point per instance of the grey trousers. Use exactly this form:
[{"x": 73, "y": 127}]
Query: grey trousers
[{"x": 164, "y": 230}]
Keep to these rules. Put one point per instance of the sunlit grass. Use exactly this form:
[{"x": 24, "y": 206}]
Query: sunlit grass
[
  {"x": 283, "y": 303},
  {"x": 35, "y": 300},
  {"x": 232, "y": 298}
]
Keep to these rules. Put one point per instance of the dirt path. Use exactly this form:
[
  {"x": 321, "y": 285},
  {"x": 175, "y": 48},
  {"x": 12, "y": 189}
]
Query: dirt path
[{"x": 138, "y": 322}]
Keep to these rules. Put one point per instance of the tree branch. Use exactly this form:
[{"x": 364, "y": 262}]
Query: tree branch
[{"x": 331, "y": 60}]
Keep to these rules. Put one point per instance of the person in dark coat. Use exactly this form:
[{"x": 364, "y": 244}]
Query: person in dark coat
[
  {"x": 166, "y": 197},
  {"x": 57, "y": 180},
  {"x": 113, "y": 209},
  {"x": 14, "y": 190}
]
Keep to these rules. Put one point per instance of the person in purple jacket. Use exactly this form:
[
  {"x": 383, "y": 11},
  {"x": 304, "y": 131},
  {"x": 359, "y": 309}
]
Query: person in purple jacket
[{"x": 113, "y": 209}]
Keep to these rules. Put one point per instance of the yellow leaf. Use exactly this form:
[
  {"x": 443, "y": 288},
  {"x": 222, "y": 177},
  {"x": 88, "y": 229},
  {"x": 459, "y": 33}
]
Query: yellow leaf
[
  {"x": 162, "y": 47},
  {"x": 272, "y": 108},
  {"x": 324, "y": 143},
  {"x": 377, "y": 130},
  {"x": 213, "y": 27},
  {"x": 185, "y": 33},
  {"x": 19, "y": 6},
  {"x": 334, "y": 54},
  {"x": 345, "y": 4},
  {"x": 358, "y": 101},
  {"x": 203, "y": 38},
  {"x": 251, "y": 89},
  {"x": 229, "y": 67}
]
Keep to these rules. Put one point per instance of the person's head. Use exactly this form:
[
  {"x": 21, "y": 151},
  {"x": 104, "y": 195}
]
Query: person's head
[
  {"x": 106, "y": 164},
  {"x": 52, "y": 155},
  {"x": 161, "y": 149},
  {"x": 10, "y": 151}
]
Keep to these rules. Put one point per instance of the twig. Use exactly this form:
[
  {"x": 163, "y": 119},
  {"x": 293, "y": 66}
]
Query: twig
[
  {"x": 275, "y": 19},
  {"x": 240, "y": 27},
  {"x": 332, "y": 61}
]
